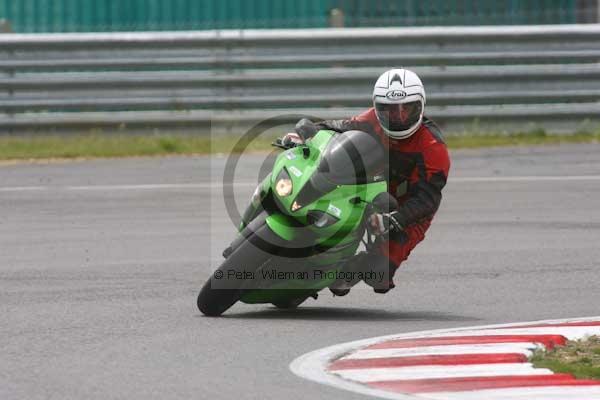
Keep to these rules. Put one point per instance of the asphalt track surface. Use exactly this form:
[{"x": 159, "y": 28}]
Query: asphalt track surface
[{"x": 101, "y": 262}]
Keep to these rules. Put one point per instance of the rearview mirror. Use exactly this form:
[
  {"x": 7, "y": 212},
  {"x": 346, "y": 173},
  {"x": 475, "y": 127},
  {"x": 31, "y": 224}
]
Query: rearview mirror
[{"x": 385, "y": 203}]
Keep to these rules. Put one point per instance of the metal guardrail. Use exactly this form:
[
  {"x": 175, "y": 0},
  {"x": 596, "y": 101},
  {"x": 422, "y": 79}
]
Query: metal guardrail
[{"x": 499, "y": 78}]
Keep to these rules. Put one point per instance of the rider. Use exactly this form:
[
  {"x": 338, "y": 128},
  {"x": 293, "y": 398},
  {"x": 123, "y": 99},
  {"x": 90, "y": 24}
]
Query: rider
[{"x": 417, "y": 172}]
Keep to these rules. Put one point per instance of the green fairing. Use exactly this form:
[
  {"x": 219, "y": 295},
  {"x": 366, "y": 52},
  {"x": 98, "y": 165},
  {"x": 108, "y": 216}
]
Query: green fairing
[
  {"x": 340, "y": 237},
  {"x": 350, "y": 214}
]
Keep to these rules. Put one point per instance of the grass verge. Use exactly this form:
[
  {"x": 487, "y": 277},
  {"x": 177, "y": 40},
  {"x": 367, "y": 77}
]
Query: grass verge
[
  {"x": 519, "y": 139},
  {"x": 108, "y": 146},
  {"x": 580, "y": 358}
]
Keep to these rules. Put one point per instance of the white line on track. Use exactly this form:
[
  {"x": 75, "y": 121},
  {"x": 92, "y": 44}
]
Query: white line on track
[
  {"x": 546, "y": 393},
  {"x": 174, "y": 186},
  {"x": 492, "y": 179},
  {"x": 23, "y": 188},
  {"x": 488, "y": 348},
  {"x": 218, "y": 185},
  {"x": 570, "y": 332},
  {"x": 439, "y": 371},
  {"x": 108, "y": 188}
]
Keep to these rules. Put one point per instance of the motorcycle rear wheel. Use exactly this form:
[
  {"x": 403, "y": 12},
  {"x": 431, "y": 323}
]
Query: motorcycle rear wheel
[{"x": 290, "y": 304}]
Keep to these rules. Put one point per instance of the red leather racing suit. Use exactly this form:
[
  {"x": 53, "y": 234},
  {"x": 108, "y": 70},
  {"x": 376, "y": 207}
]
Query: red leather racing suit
[{"x": 417, "y": 173}]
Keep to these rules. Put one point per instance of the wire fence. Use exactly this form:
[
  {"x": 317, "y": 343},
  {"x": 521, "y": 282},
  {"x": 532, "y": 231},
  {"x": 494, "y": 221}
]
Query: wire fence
[{"x": 25, "y": 16}]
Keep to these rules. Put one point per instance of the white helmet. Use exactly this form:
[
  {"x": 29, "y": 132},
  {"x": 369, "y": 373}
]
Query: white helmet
[{"x": 399, "y": 101}]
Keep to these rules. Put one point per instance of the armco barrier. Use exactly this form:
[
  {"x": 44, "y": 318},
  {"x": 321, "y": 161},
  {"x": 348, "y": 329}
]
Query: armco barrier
[{"x": 477, "y": 78}]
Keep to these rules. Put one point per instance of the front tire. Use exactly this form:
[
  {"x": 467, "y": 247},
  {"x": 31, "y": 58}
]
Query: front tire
[
  {"x": 218, "y": 295},
  {"x": 214, "y": 302}
]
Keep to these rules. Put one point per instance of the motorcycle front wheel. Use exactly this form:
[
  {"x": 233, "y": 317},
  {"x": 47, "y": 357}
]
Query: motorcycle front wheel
[{"x": 225, "y": 287}]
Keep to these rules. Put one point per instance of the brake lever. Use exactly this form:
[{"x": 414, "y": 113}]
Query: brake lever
[
  {"x": 280, "y": 146},
  {"x": 373, "y": 240},
  {"x": 278, "y": 143}
]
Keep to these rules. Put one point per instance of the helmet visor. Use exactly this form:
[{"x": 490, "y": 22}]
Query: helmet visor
[{"x": 399, "y": 117}]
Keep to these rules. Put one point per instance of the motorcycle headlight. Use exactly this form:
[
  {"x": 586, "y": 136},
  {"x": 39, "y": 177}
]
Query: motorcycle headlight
[
  {"x": 321, "y": 219},
  {"x": 283, "y": 186}
]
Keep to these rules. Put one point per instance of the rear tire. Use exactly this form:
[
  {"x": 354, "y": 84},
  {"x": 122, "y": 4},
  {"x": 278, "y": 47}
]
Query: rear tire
[
  {"x": 290, "y": 304},
  {"x": 286, "y": 306}
]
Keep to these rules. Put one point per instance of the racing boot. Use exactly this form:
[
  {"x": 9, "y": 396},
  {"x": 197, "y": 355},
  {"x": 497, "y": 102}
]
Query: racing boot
[
  {"x": 341, "y": 287},
  {"x": 380, "y": 274}
]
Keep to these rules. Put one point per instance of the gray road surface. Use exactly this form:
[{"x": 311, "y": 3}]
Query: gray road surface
[{"x": 99, "y": 275}]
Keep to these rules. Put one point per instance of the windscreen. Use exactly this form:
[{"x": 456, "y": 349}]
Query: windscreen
[{"x": 352, "y": 158}]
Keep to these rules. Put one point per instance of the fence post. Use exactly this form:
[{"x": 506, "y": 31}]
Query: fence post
[
  {"x": 336, "y": 18},
  {"x": 5, "y": 26},
  {"x": 587, "y": 11}
]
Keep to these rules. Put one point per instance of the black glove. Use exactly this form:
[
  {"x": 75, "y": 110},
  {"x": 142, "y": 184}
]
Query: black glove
[
  {"x": 383, "y": 223},
  {"x": 306, "y": 128},
  {"x": 355, "y": 264}
]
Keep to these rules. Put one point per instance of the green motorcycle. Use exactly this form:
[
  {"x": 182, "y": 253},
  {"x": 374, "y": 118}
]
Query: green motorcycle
[{"x": 305, "y": 221}]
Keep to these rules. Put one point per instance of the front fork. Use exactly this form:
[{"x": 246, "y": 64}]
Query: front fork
[{"x": 257, "y": 202}]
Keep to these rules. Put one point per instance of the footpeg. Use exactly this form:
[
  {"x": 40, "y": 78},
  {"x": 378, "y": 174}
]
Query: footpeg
[
  {"x": 339, "y": 292},
  {"x": 227, "y": 252}
]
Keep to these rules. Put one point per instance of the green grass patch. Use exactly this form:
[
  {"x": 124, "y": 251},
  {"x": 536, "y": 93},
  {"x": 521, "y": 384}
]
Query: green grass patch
[
  {"x": 580, "y": 358},
  {"x": 534, "y": 138},
  {"x": 108, "y": 146}
]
